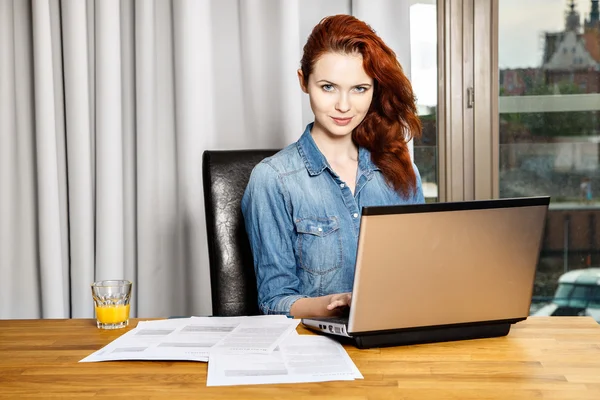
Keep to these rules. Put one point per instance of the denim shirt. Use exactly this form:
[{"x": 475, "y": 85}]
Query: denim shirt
[{"x": 303, "y": 222}]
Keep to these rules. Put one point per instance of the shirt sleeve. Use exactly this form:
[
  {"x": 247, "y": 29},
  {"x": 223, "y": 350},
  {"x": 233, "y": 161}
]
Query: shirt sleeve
[
  {"x": 418, "y": 197},
  {"x": 267, "y": 214}
]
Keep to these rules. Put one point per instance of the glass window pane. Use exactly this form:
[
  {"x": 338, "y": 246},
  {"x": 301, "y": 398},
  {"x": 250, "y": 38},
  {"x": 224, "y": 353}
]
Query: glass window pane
[
  {"x": 595, "y": 298},
  {"x": 549, "y": 105},
  {"x": 580, "y": 296},
  {"x": 423, "y": 49},
  {"x": 563, "y": 293}
]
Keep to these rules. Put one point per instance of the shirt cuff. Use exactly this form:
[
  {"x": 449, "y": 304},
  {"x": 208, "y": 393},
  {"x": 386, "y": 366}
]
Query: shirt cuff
[{"x": 284, "y": 305}]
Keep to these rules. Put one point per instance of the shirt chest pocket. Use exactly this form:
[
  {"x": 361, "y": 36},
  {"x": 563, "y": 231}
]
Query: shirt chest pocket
[{"x": 319, "y": 244}]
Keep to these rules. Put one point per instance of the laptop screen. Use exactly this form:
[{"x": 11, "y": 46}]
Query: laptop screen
[{"x": 446, "y": 263}]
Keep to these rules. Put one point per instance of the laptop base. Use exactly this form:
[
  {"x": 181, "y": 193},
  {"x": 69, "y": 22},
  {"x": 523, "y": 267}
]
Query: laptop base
[
  {"x": 432, "y": 335},
  {"x": 446, "y": 333}
]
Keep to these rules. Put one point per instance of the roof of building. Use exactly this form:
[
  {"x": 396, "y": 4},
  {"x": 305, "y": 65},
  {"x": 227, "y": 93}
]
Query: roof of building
[
  {"x": 571, "y": 54},
  {"x": 571, "y": 50}
]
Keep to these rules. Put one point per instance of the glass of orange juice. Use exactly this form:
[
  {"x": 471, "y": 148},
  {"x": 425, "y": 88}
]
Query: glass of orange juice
[{"x": 111, "y": 299}]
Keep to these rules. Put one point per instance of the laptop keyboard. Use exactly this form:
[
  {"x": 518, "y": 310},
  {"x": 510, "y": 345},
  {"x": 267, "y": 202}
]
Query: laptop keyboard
[{"x": 334, "y": 320}]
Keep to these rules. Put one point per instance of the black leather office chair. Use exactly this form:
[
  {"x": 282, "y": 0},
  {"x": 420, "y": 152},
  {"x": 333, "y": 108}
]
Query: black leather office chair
[{"x": 225, "y": 174}]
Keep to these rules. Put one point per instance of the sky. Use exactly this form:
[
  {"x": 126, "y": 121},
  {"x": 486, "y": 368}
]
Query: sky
[
  {"x": 423, "y": 54},
  {"x": 521, "y": 27},
  {"x": 520, "y": 44}
]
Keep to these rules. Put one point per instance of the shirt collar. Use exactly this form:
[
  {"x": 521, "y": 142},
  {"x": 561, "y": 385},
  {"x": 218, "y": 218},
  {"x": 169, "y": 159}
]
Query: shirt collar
[
  {"x": 316, "y": 162},
  {"x": 365, "y": 164}
]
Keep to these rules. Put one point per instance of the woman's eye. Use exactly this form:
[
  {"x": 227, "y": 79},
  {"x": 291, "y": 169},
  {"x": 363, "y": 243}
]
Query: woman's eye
[
  {"x": 327, "y": 88},
  {"x": 360, "y": 89}
]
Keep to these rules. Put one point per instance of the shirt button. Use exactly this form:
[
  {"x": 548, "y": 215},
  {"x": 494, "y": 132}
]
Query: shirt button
[
  {"x": 320, "y": 229},
  {"x": 342, "y": 185},
  {"x": 355, "y": 215}
]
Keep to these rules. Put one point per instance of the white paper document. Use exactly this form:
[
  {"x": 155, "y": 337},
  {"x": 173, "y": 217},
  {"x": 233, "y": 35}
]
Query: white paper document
[
  {"x": 239, "y": 350},
  {"x": 191, "y": 339},
  {"x": 256, "y": 336},
  {"x": 298, "y": 358}
]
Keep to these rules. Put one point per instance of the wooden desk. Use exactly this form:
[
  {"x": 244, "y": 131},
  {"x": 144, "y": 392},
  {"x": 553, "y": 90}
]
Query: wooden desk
[{"x": 542, "y": 358}]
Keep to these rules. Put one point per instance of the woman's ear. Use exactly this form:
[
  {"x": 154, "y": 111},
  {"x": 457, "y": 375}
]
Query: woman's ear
[{"x": 301, "y": 80}]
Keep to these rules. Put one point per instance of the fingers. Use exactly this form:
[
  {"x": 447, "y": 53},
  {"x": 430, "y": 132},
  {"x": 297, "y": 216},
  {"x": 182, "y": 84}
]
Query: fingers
[
  {"x": 335, "y": 304},
  {"x": 346, "y": 298},
  {"x": 340, "y": 300}
]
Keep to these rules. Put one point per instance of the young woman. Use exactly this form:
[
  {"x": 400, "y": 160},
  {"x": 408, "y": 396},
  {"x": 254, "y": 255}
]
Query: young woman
[{"x": 302, "y": 206}]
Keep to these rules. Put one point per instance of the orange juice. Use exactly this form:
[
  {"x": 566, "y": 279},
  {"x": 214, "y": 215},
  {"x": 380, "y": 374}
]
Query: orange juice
[{"x": 112, "y": 314}]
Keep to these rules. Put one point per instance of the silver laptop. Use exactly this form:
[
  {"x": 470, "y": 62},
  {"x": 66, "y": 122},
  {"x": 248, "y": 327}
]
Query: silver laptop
[{"x": 440, "y": 272}]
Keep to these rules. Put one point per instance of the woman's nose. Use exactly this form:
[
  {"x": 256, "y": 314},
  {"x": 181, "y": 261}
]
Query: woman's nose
[{"x": 343, "y": 104}]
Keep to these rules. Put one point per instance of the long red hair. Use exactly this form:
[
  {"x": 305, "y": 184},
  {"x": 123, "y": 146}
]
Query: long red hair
[{"x": 392, "y": 119}]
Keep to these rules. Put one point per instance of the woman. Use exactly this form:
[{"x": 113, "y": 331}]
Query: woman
[{"x": 302, "y": 206}]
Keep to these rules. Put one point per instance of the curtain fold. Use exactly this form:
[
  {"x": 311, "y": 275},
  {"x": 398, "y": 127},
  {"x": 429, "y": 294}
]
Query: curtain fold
[
  {"x": 261, "y": 33},
  {"x": 25, "y": 300},
  {"x": 146, "y": 150},
  {"x": 53, "y": 279},
  {"x": 109, "y": 143},
  {"x": 8, "y": 161},
  {"x": 162, "y": 275},
  {"x": 79, "y": 154},
  {"x": 106, "y": 107},
  {"x": 128, "y": 126},
  {"x": 194, "y": 113},
  {"x": 61, "y": 157},
  {"x": 289, "y": 96}
]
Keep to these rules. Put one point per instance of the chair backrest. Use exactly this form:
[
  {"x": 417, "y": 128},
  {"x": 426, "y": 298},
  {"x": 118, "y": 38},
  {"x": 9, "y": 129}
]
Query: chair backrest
[{"x": 225, "y": 174}]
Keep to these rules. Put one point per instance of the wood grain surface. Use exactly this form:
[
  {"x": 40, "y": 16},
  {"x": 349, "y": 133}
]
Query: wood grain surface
[{"x": 541, "y": 358}]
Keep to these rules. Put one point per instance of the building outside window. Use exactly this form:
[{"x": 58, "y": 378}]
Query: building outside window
[{"x": 550, "y": 145}]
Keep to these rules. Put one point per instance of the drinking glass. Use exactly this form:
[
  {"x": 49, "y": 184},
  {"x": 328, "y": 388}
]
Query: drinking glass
[{"x": 111, "y": 300}]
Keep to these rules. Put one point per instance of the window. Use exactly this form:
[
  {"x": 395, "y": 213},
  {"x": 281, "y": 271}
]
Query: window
[
  {"x": 563, "y": 294},
  {"x": 595, "y": 298},
  {"x": 580, "y": 296},
  {"x": 424, "y": 72},
  {"x": 549, "y": 144}
]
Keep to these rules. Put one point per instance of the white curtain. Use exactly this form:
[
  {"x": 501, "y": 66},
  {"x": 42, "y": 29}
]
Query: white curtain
[{"x": 105, "y": 109}]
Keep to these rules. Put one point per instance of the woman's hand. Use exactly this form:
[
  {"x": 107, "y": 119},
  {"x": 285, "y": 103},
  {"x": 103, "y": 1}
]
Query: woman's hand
[
  {"x": 339, "y": 300},
  {"x": 324, "y": 306}
]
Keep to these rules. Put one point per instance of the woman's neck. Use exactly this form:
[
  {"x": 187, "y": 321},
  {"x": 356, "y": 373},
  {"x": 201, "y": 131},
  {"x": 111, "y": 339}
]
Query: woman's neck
[{"x": 336, "y": 149}]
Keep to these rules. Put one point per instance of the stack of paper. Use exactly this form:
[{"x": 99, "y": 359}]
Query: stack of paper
[{"x": 240, "y": 350}]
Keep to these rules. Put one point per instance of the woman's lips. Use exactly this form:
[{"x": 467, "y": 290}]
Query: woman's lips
[{"x": 341, "y": 121}]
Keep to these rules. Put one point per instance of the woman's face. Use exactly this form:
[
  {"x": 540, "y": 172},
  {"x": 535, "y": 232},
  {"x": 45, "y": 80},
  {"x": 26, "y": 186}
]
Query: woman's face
[{"x": 340, "y": 93}]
